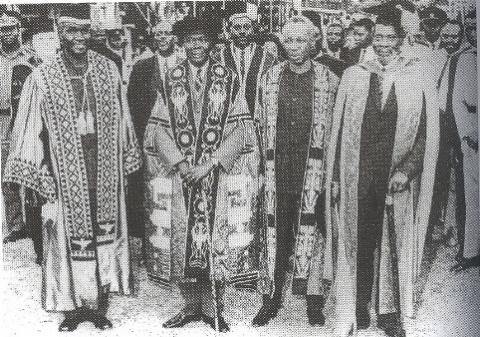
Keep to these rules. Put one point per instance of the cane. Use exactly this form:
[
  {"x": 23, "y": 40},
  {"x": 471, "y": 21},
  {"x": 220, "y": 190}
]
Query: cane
[
  {"x": 212, "y": 276},
  {"x": 392, "y": 235}
]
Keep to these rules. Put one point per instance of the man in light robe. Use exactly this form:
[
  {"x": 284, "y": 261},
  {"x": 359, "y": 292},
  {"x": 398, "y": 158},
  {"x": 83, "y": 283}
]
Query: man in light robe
[
  {"x": 16, "y": 63},
  {"x": 464, "y": 105},
  {"x": 146, "y": 84},
  {"x": 201, "y": 196},
  {"x": 73, "y": 145},
  {"x": 295, "y": 114},
  {"x": 384, "y": 141}
]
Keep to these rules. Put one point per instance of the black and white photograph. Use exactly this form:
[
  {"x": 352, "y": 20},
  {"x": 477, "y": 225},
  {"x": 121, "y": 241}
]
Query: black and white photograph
[{"x": 284, "y": 168}]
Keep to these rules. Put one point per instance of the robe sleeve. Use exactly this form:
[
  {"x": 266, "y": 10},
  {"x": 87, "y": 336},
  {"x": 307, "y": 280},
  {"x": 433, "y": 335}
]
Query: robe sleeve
[
  {"x": 159, "y": 140},
  {"x": 29, "y": 163},
  {"x": 413, "y": 163},
  {"x": 131, "y": 154}
]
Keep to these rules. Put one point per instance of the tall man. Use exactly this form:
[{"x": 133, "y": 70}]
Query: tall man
[
  {"x": 202, "y": 190},
  {"x": 73, "y": 145},
  {"x": 451, "y": 37},
  {"x": 335, "y": 39},
  {"x": 16, "y": 63},
  {"x": 432, "y": 20},
  {"x": 146, "y": 88},
  {"x": 385, "y": 126},
  {"x": 464, "y": 105},
  {"x": 249, "y": 60},
  {"x": 297, "y": 99}
]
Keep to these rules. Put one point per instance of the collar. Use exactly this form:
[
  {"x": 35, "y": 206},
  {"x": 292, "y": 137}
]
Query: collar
[{"x": 194, "y": 69}]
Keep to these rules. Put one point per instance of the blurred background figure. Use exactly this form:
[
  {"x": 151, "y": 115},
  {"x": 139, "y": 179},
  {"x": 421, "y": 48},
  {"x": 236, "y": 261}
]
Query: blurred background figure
[
  {"x": 432, "y": 19},
  {"x": 335, "y": 39}
]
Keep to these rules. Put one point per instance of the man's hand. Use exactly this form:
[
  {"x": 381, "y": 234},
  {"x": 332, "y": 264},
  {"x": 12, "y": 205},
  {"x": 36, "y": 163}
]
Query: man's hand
[
  {"x": 182, "y": 168},
  {"x": 195, "y": 174},
  {"x": 398, "y": 182}
]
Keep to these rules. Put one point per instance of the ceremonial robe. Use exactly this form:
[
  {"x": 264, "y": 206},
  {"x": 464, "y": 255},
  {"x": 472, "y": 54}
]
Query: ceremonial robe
[
  {"x": 411, "y": 207},
  {"x": 84, "y": 232}
]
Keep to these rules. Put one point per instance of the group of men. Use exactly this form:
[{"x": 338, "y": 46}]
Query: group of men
[{"x": 246, "y": 170}]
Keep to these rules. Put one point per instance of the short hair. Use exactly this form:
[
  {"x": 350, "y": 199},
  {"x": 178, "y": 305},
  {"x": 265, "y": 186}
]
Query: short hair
[
  {"x": 364, "y": 22},
  {"x": 312, "y": 30},
  {"x": 455, "y": 23}
]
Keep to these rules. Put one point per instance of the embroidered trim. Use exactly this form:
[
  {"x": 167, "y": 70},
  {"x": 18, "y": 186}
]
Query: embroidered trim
[{"x": 25, "y": 173}]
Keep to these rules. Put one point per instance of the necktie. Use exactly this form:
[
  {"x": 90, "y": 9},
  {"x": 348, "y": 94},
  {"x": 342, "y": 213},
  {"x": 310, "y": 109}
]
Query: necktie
[
  {"x": 242, "y": 63},
  {"x": 198, "y": 80}
]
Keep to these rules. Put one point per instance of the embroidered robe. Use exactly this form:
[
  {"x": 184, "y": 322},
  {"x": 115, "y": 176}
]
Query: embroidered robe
[
  {"x": 309, "y": 242},
  {"x": 82, "y": 256},
  {"x": 411, "y": 207},
  {"x": 185, "y": 222}
]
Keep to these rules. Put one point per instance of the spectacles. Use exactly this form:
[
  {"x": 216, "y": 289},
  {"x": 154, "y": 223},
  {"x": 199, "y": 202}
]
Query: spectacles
[
  {"x": 246, "y": 26},
  {"x": 389, "y": 38}
]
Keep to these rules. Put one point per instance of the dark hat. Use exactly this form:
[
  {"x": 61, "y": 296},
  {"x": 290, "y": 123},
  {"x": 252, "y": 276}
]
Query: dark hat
[
  {"x": 74, "y": 12},
  {"x": 190, "y": 25},
  {"x": 433, "y": 13},
  {"x": 389, "y": 13}
]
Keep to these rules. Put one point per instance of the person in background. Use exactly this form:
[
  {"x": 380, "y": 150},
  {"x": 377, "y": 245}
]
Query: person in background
[
  {"x": 295, "y": 113},
  {"x": 432, "y": 20},
  {"x": 72, "y": 148},
  {"x": 16, "y": 62},
  {"x": 362, "y": 41},
  {"x": 465, "y": 111},
  {"x": 335, "y": 39}
]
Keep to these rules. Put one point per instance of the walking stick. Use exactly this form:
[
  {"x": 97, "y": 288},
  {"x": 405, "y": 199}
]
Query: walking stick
[
  {"x": 212, "y": 276},
  {"x": 392, "y": 235}
]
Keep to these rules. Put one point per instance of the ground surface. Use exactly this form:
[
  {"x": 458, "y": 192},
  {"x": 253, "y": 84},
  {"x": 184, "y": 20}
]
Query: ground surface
[{"x": 450, "y": 305}]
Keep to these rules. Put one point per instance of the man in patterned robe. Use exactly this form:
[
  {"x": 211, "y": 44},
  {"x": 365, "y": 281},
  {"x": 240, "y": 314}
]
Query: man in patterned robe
[
  {"x": 72, "y": 145},
  {"x": 384, "y": 141},
  {"x": 202, "y": 189},
  {"x": 296, "y": 106},
  {"x": 146, "y": 84},
  {"x": 16, "y": 63}
]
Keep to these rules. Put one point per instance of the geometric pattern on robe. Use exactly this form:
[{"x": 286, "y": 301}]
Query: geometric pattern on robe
[
  {"x": 411, "y": 207},
  {"x": 232, "y": 223},
  {"x": 309, "y": 242},
  {"x": 47, "y": 157}
]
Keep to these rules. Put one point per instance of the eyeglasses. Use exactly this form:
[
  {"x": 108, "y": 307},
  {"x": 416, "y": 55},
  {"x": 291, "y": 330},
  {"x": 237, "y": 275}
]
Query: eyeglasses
[
  {"x": 389, "y": 38},
  {"x": 246, "y": 26}
]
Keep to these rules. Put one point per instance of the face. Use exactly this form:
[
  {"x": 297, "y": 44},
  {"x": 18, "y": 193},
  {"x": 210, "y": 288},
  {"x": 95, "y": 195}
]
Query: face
[
  {"x": 74, "y": 38},
  {"x": 10, "y": 34},
  {"x": 115, "y": 39},
  {"x": 197, "y": 46},
  {"x": 163, "y": 36},
  {"x": 297, "y": 43},
  {"x": 386, "y": 43},
  {"x": 361, "y": 36},
  {"x": 450, "y": 38},
  {"x": 471, "y": 31},
  {"x": 335, "y": 36},
  {"x": 431, "y": 29},
  {"x": 241, "y": 31}
]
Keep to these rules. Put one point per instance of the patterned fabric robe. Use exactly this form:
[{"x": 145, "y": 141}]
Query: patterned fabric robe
[
  {"x": 411, "y": 207},
  {"x": 309, "y": 242},
  {"x": 80, "y": 259},
  {"x": 185, "y": 222}
]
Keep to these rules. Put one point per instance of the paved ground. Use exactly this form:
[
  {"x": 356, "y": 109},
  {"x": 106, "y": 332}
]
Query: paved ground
[{"x": 450, "y": 305}]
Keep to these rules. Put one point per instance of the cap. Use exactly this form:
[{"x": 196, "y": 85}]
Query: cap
[
  {"x": 390, "y": 12},
  {"x": 190, "y": 25},
  {"x": 77, "y": 13},
  {"x": 433, "y": 13},
  {"x": 9, "y": 18}
]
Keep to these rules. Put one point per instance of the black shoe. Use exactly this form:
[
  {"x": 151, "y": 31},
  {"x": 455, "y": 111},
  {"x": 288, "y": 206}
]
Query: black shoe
[
  {"x": 69, "y": 324},
  {"x": 315, "y": 305},
  {"x": 363, "y": 318},
  {"x": 222, "y": 325},
  {"x": 391, "y": 325},
  {"x": 268, "y": 311},
  {"x": 101, "y": 322},
  {"x": 181, "y": 319}
]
